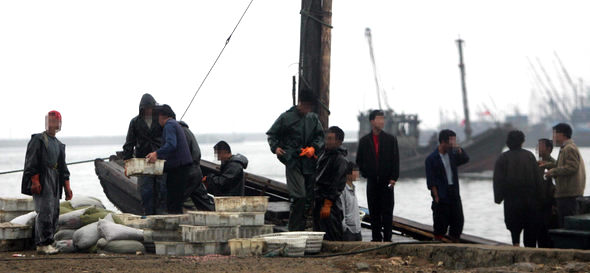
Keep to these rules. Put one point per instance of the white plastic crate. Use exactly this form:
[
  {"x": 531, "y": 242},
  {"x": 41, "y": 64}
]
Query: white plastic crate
[
  {"x": 246, "y": 247},
  {"x": 214, "y": 218},
  {"x": 167, "y": 222},
  {"x": 253, "y": 231},
  {"x": 204, "y": 234},
  {"x": 241, "y": 204},
  {"x": 17, "y": 204},
  {"x": 313, "y": 243},
  {"x": 287, "y": 246},
  {"x": 10, "y": 231},
  {"x": 140, "y": 166},
  {"x": 189, "y": 249}
]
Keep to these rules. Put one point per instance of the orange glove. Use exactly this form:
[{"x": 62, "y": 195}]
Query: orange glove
[
  {"x": 325, "y": 212},
  {"x": 35, "y": 184},
  {"x": 308, "y": 151},
  {"x": 68, "y": 190},
  {"x": 204, "y": 180}
]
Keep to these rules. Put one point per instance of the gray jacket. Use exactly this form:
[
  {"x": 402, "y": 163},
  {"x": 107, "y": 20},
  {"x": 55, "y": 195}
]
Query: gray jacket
[{"x": 350, "y": 209}]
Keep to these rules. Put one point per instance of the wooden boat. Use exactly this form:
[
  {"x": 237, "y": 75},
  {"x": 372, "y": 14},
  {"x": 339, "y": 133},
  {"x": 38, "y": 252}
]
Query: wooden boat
[{"x": 122, "y": 192}]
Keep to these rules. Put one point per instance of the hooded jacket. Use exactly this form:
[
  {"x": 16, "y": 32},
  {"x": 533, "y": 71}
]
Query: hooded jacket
[
  {"x": 36, "y": 163},
  {"x": 230, "y": 181},
  {"x": 331, "y": 174},
  {"x": 141, "y": 139},
  {"x": 193, "y": 145},
  {"x": 292, "y": 132}
]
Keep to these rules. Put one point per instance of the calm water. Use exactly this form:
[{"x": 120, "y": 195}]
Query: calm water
[{"x": 412, "y": 200}]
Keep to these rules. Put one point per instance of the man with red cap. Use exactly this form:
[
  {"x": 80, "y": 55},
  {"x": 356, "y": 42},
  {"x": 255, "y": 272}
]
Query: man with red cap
[{"x": 45, "y": 177}]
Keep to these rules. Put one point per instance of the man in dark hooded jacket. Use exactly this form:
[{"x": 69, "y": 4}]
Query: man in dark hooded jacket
[
  {"x": 295, "y": 137},
  {"x": 518, "y": 182},
  {"x": 144, "y": 136},
  {"x": 230, "y": 180},
  {"x": 330, "y": 182},
  {"x": 195, "y": 190},
  {"x": 45, "y": 177}
]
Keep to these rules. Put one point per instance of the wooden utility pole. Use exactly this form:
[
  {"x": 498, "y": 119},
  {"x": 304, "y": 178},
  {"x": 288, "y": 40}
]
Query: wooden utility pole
[
  {"x": 314, "y": 54},
  {"x": 326, "y": 39},
  {"x": 464, "y": 89}
]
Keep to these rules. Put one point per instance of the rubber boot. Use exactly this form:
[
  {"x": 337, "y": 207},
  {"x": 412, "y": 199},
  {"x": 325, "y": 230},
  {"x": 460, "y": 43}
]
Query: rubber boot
[{"x": 297, "y": 216}]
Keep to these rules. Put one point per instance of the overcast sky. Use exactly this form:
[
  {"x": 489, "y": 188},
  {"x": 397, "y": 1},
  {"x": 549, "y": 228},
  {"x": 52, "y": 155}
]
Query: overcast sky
[{"x": 92, "y": 60}]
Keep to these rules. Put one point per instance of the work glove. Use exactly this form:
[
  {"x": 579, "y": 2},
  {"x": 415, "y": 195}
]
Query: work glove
[
  {"x": 325, "y": 212},
  {"x": 204, "y": 180},
  {"x": 35, "y": 184},
  {"x": 68, "y": 190},
  {"x": 309, "y": 152}
]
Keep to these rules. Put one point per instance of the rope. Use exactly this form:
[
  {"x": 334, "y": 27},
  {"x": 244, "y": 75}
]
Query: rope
[
  {"x": 71, "y": 163},
  {"x": 215, "y": 62}
]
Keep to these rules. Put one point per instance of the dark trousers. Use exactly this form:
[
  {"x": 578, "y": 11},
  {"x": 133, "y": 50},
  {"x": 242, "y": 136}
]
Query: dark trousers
[
  {"x": 332, "y": 225},
  {"x": 549, "y": 221},
  {"x": 196, "y": 191},
  {"x": 152, "y": 189},
  {"x": 177, "y": 179},
  {"x": 380, "y": 199},
  {"x": 301, "y": 194},
  {"x": 447, "y": 215},
  {"x": 566, "y": 206},
  {"x": 349, "y": 236},
  {"x": 523, "y": 213},
  {"x": 47, "y": 208}
]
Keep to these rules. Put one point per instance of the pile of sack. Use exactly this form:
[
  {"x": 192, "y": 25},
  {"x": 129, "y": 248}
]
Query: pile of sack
[{"x": 85, "y": 225}]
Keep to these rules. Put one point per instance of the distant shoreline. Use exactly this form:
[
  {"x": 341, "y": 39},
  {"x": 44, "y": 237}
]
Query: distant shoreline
[{"x": 120, "y": 140}]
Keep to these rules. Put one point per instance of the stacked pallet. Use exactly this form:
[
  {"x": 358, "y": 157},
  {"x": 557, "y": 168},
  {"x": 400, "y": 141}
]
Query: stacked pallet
[
  {"x": 236, "y": 219},
  {"x": 15, "y": 237}
]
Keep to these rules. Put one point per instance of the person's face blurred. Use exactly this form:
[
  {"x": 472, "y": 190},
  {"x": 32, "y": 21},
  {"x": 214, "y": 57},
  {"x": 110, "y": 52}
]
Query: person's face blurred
[
  {"x": 147, "y": 112},
  {"x": 52, "y": 125},
  {"x": 331, "y": 142},
  {"x": 558, "y": 138},
  {"x": 222, "y": 155},
  {"x": 304, "y": 107},
  {"x": 542, "y": 149},
  {"x": 378, "y": 122},
  {"x": 162, "y": 120},
  {"x": 449, "y": 145}
]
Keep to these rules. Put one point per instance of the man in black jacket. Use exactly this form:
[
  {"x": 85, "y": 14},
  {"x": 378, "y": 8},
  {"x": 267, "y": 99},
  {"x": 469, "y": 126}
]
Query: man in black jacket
[
  {"x": 195, "y": 190},
  {"x": 144, "y": 136},
  {"x": 378, "y": 161},
  {"x": 330, "y": 182},
  {"x": 230, "y": 181},
  {"x": 442, "y": 180},
  {"x": 45, "y": 177}
]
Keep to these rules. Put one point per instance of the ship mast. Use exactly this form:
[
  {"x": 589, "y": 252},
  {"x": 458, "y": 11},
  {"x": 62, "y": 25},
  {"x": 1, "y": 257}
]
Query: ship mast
[
  {"x": 314, "y": 54},
  {"x": 464, "y": 89},
  {"x": 370, "y": 41}
]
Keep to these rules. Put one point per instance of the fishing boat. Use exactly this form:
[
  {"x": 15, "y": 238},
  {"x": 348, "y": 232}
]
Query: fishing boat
[{"x": 483, "y": 149}]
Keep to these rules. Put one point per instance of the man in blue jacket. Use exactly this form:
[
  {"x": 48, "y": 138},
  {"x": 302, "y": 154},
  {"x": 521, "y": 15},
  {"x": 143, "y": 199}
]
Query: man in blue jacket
[
  {"x": 176, "y": 152},
  {"x": 443, "y": 182}
]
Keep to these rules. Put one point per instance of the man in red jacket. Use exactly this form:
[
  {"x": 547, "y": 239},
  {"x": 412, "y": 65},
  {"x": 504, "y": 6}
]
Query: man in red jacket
[{"x": 45, "y": 177}]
